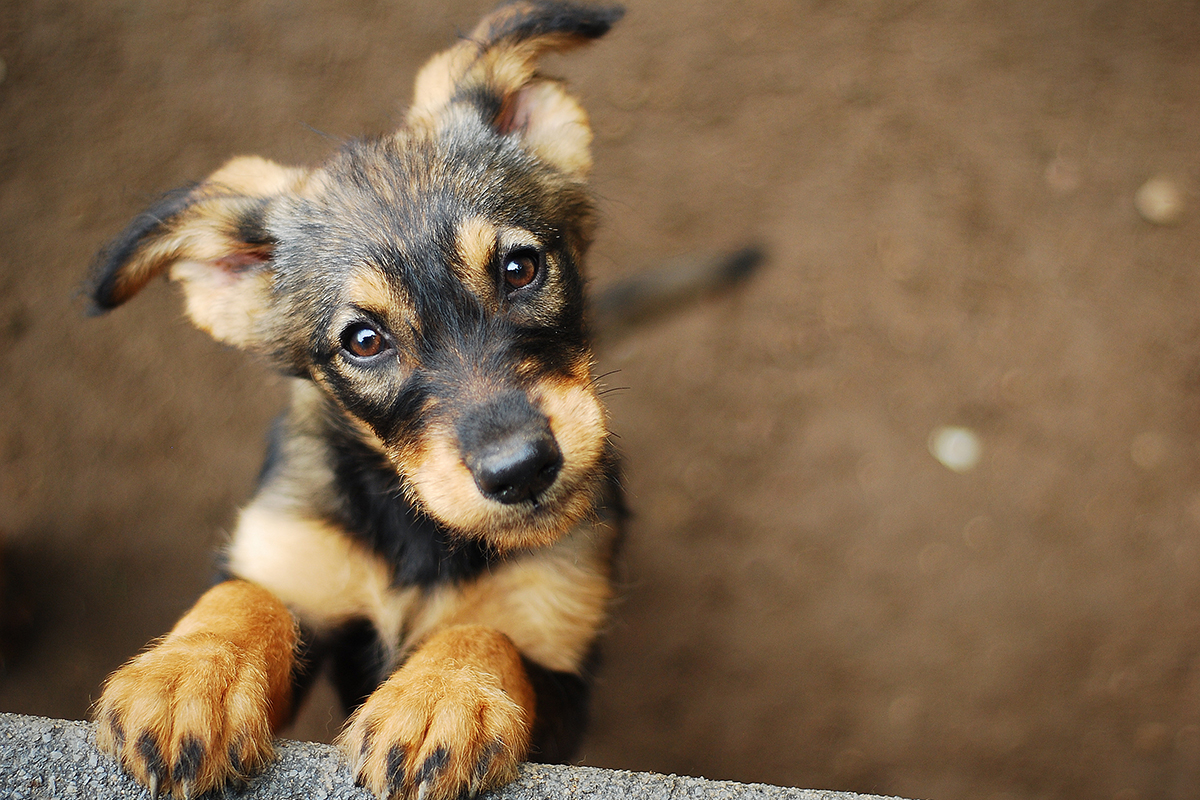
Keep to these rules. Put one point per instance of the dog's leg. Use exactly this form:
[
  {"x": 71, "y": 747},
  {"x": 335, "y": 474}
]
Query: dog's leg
[
  {"x": 454, "y": 719},
  {"x": 198, "y": 709}
]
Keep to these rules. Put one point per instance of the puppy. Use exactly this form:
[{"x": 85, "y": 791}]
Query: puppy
[{"x": 437, "y": 515}]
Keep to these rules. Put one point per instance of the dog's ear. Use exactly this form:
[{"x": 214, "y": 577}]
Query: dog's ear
[
  {"x": 212, "y": 238},
  {"x": 495, "y": 71}
]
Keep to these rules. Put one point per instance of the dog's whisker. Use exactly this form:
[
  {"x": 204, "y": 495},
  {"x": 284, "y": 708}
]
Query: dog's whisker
[{"x": 596, "y": 379}]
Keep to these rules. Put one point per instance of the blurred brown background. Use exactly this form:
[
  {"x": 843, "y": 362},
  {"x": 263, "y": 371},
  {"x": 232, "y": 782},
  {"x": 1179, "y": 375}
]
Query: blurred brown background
[{"x": 810, "y": 597}]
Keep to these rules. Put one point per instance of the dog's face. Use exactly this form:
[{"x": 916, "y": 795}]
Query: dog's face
[{"x": 428, "y": 281}]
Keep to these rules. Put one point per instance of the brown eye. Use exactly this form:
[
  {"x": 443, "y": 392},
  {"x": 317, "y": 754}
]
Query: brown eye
[
  {"x": 521, "y": 268},
  {"x": 363, "y": 341}
]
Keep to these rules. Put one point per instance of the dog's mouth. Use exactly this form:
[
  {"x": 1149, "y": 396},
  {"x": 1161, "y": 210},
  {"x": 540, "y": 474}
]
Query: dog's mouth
[{"x": 513, "y": 471}]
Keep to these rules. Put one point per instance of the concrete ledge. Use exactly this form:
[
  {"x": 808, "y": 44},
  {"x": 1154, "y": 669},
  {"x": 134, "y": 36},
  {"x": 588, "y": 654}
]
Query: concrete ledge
[{"x": 57, "y": 760}]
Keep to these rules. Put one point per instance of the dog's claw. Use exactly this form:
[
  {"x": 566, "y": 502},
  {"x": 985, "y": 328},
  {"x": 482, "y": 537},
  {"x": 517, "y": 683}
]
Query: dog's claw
[
  {"x": 481, "y": 768},
  {"x": 395, "y": 771},
  {"x": 153, "y": 786}
]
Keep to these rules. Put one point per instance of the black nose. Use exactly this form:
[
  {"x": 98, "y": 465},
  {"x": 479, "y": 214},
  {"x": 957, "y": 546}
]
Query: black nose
[
  {"x": 517, "y": 468},
  {"x": 507, "y": 445}
]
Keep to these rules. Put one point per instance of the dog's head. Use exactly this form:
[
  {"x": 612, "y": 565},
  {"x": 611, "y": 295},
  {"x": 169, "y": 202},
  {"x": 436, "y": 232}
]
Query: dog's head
[{"x": 428, "y": 281}]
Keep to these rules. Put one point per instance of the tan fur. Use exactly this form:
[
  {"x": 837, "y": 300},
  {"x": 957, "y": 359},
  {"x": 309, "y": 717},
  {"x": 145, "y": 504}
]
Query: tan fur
[
  {"x": 445, "y": 486},
  {"x": 220, "y": 680},
  {"x": 201, "y": 233},
  {"x": 578, "y": 422},
  {"x": 550, "y": 603},
  {"x": 506, "y": 65},
  {"x": 226, "y": 303},
  {"x": 369, "y": 290},
  {"x": 555, "y": 126},
  {"x": 476, "y": 241},
  {"x": 257, "y": 177},
  {"x": 463, "y": 698},
  {"x": 436, "y": 83},
  {"x": 319, "y": 571}
]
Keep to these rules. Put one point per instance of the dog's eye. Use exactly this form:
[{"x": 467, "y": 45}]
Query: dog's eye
[
  {"x": 363, "y": 341},
  {"x": 521, "y": 268}
]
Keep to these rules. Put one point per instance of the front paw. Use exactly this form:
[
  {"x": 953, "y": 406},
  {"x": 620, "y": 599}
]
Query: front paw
[
  {"x": 441, "y": 729},
  {"x": 188, "y": 715}
]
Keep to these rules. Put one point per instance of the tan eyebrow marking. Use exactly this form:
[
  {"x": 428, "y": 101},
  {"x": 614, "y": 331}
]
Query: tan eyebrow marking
[
  {"x": 476, "y": 240},
  {"x": 369, "y": 289}
]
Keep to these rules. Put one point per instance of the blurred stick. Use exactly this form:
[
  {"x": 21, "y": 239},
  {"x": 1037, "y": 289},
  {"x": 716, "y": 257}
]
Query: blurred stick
[{"x": 680, "y": 282}]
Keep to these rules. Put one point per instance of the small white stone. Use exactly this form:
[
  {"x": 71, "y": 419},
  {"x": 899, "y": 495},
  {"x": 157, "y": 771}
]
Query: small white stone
[
  {"x": 1159, "y": 200},
  {"x": 956, "y": 448}
]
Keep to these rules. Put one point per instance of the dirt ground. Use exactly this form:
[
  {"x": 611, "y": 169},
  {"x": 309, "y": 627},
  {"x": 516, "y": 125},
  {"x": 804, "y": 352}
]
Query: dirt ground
[{"x": 810, "y": 598}]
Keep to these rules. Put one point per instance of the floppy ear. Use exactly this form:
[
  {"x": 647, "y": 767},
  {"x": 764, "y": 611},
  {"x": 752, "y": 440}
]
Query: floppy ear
[
  {"x": 495, "y": 71},
  {"x": 211, "y": 237}
]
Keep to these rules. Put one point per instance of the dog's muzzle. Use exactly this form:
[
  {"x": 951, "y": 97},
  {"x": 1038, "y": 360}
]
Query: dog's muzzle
[{"x": 509, "y": 448}]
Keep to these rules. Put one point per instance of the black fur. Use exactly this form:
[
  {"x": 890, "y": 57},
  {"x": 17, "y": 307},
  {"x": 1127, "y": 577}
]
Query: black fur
[
  {"x": 562, "y": 712},
  {"x": 590, "y": 22},
  {"x": 374, "y": 509},
  {"x": 358, "y": 662},
  {"x": 310, "y": 656},
  {"x": 108, "y": 263},
  {"x": 252, "y": 227}
]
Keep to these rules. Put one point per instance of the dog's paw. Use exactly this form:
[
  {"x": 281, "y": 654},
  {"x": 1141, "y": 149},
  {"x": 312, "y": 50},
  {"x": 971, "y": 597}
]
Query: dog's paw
[
  {"x": 442, "y": 727},
  {"x": 436, "y": 737},
  {"x": 188, "y": 715}
]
